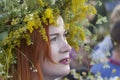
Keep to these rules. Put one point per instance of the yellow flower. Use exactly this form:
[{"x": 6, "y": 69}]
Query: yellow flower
[
  {"x": 49, "y": 15},
  {"x": 92, "y": 9},
  {"x": 66, "y": 79},
  {"x": 14, "y": 21},
  {"x": 30, "y": 25},
  {"x": 67, "y": 26},
  {"x": 82, "y": 34},
  {"x": 41, "y": 3},
  {"x": 37, "y": 21},
  {"x": 84, "y": 9},
  {"x": 77, "y": 5},
  {"x": 43, "y": 33},
  {"x": 114, "y": 71}
]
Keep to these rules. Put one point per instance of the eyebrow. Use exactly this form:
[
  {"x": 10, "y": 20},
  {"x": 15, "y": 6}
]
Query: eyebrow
[{"x": 55, "y": 34}]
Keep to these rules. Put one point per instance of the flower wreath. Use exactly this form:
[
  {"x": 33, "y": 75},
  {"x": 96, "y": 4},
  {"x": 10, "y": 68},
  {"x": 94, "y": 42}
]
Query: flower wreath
[{"x": 18, "y": 18}]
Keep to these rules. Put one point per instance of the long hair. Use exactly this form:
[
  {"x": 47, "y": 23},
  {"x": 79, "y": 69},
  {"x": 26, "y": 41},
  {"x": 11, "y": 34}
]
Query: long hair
[{"x": 29, "y": 56}]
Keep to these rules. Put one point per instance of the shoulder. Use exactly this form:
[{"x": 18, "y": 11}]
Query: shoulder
[
  {"x": 101, "y": 68},
  {"x": 105, "y": 69},
  {"x": 96, "y": 68}
]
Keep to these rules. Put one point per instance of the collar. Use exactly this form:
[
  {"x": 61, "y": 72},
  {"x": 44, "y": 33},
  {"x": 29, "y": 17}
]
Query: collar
[{"x": 114, "y": 62}]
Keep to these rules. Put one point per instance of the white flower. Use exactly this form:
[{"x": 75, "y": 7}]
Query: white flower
[
  {"x": 99, "y": 78},
  {"x": 53, "y": 2},
  {"x": 115, "y": 78}
]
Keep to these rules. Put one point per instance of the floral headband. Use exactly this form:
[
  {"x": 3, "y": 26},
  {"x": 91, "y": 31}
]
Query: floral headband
[{"x": 18, "y": 18}]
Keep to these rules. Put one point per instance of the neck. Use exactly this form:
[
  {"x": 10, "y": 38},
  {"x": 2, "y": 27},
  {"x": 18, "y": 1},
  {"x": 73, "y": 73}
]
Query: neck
[
  {"x": 45, "y": 76},
  {"x": 49, "y": 78},
  {"x": 52, "y": 77}
]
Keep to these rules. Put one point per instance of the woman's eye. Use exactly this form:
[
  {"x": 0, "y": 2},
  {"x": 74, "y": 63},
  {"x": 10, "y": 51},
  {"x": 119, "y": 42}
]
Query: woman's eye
[
  {"x": 65, "y": 34},
  {"x": 53, "y": 39}
]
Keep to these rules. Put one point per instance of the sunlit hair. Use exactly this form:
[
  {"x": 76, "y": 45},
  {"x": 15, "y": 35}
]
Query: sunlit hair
[
  {"x": 30, "y": 55},
  {"x": 115, "y": 15}
]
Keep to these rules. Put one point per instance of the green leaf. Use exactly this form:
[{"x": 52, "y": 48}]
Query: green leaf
[
  {"x": 99, "y": 3},
  {"x": 101, "y": 19},
  {"x": 105, "y": 19}
]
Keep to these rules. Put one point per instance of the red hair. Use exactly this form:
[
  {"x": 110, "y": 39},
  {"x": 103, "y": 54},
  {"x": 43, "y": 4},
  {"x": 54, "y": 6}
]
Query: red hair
[{"x": 32, "y": 54}]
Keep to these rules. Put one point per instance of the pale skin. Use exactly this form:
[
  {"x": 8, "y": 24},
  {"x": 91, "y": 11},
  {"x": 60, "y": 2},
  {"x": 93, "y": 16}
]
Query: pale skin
[
  {"x": 59, "y": 51},
  {"x": 116, "y": 54}
]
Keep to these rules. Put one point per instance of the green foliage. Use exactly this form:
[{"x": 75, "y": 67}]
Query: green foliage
[{"x": 101, "y": 19}]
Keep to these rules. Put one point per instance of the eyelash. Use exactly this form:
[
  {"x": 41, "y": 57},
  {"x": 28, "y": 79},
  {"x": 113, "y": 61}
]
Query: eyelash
[
  {"x": 53, "y": 39},
  {"x": 65, "y": 34}
]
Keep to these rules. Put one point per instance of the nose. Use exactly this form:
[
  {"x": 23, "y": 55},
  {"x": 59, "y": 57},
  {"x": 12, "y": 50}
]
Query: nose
[{"x": 64, "y": 47}]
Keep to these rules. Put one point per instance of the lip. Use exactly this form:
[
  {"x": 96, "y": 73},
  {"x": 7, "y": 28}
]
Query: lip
[{"x": 65, "y": 61}]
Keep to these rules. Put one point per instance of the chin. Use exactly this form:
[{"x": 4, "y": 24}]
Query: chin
[{"x": 65, "y": 71}]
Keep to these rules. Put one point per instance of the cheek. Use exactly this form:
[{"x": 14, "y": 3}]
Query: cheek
[{"x": 54, "y": 51}]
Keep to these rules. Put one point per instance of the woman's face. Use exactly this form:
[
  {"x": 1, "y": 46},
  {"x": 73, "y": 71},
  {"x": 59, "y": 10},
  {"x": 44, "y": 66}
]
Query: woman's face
[{"x": 59, "y": 51}]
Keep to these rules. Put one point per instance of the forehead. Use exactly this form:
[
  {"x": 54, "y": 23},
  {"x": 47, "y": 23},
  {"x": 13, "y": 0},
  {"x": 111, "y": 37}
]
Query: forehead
[{"x": 60, "y": 26}]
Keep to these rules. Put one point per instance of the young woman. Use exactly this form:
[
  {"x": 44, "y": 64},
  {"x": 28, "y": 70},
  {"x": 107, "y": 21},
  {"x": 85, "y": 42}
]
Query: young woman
[{"x": 50, "y": 59}]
